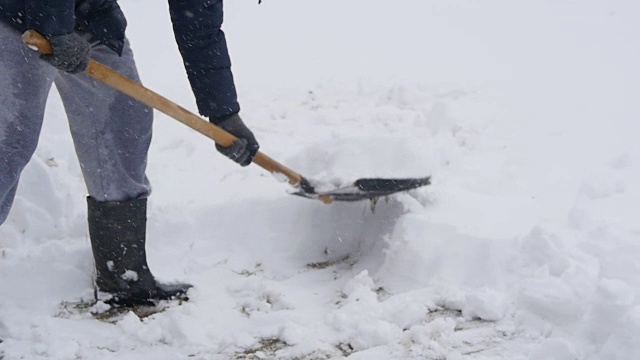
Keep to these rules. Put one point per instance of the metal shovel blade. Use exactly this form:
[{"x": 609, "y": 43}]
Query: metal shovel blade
[{"x": 362, "y": 189}]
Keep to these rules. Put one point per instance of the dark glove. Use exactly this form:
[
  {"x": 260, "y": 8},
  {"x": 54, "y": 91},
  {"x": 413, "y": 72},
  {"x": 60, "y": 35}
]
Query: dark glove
[
  {"x": 245, "y": 148},
  {"x": 71, "y": 53}
]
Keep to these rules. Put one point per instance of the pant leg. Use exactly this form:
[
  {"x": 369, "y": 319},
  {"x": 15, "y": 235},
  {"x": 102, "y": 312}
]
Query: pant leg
[
  {"x": 111, "y": 131},
  {"x": 25, "y": 82}
]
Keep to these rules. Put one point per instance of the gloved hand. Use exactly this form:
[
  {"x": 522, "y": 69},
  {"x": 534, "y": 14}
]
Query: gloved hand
[
  {"x": 71, "y": 53},
  {"x": 245, "y": 148}
]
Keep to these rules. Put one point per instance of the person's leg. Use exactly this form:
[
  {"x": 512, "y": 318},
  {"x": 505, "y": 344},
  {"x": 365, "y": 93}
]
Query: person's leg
[
  {"x": 110, "y": 130},
  {"x": 25, "y": 82},
  {"x": 112, "y": 133}
]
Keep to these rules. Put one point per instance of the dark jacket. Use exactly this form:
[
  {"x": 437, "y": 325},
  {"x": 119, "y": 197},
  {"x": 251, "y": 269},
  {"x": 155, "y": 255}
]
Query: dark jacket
[{"x": 196, "y": 25}]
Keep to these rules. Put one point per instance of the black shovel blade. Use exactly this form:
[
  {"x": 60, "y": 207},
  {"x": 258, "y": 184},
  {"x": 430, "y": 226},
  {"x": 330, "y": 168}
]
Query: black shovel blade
[{"x": 362, "y": 189}]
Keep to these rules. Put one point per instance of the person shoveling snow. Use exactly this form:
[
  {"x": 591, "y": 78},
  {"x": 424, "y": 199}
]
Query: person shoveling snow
[{"x": 112, "y": 133}]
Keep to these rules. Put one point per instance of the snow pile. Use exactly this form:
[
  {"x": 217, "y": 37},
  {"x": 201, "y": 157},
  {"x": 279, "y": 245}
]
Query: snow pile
[{"x": 524, "y": 247}]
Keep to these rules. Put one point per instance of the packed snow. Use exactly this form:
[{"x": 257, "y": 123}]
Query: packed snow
[{"x": 526, "y": 245}]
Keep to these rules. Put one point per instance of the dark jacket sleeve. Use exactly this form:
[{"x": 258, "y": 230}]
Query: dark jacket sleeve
[
  {"x": 50, "y": 17},
  {"x": 202, "y": 44}
]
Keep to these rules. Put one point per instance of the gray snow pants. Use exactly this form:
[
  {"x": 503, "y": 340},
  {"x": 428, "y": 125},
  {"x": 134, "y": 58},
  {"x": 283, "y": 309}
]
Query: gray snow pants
[{"x": 111, "y": 132}]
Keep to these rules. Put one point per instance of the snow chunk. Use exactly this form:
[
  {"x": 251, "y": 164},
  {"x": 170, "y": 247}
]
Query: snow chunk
[
  {"x": 542, "y": 248},
  {"x": 100, "y": 307},
  {"x": 130, "y": 276},
  {"x": 486, "y": 305},
  {"x": 360, "y": 281}
]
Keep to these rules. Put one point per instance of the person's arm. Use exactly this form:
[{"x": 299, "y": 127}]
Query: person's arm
[
  {"x": 50, "y": 17},
  {"x": 203, "y": 46}
]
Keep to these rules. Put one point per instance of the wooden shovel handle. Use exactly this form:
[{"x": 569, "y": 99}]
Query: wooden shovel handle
[{"x": 164, "y": 105}]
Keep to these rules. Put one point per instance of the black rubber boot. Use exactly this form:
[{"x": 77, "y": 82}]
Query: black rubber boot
[{"x": 118, "y": 235}]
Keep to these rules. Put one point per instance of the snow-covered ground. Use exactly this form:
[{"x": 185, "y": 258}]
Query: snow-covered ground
[{"x": 526, "y": 246}]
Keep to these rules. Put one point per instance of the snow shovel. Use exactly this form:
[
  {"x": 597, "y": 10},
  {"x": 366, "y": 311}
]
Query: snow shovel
[{"x": 363, "y": 189}]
